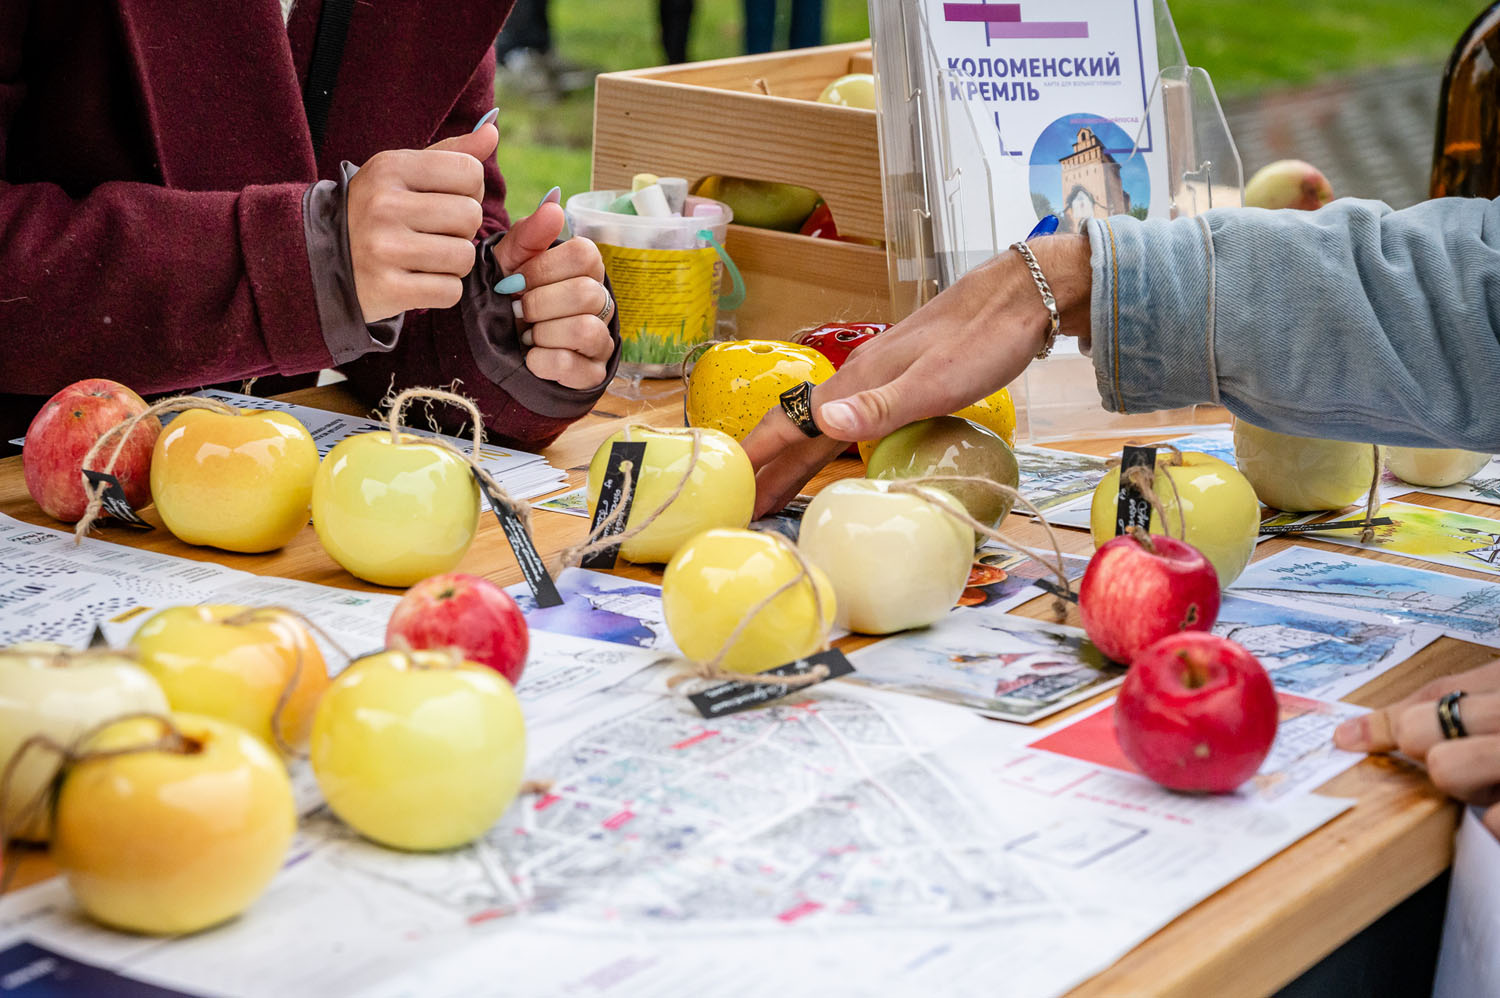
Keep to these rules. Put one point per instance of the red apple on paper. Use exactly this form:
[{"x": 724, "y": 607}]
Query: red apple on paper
[
  {"x": 464, "y": 612},
  {"x": 64, "y": 430},
  {"x": 1139, "y": 589},
  {"x": 1196, "y": 713}
]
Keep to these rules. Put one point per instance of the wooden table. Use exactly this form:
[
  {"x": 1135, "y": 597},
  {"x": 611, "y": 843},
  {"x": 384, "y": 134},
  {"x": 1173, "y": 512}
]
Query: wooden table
[{"x": 1248, "y": 939}]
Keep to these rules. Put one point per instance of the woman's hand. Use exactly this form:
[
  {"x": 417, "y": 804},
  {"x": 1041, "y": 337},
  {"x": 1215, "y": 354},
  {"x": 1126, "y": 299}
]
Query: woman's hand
[
  {"x": 969, "y": 341},
  {"x": 1467, "y": 768}
]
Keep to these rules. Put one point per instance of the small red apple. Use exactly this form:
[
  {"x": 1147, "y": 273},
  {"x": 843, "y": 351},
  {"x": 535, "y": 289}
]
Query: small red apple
[
  {"x": 837, "y": 340},
  {"x": 1139, "y": 588},
  {"x": 64, "y": 430},
  {"x": 465, "y": 612},
  {"x": 1197, "y": 713}
]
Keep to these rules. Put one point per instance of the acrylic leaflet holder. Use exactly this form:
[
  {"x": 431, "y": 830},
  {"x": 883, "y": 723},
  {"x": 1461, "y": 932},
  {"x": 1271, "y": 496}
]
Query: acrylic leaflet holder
[{"x": 992, "y": 117}]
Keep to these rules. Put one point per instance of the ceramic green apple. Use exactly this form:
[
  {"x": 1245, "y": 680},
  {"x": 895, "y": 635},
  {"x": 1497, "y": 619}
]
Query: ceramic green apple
[{"x": 948, "y": 445}]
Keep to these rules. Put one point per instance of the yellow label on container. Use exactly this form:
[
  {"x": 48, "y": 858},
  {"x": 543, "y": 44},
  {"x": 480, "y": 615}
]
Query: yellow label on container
[{"x": 668, "y": 300}]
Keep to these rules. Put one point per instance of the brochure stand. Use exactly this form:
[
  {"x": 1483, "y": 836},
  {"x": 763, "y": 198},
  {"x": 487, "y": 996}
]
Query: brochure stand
[{"x": 980, "y": 136}]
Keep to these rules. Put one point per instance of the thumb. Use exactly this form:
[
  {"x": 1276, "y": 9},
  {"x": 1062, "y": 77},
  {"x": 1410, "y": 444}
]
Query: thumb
[
  {"x": 530, "y": 236},
  {"x": 1367, "y": 733},
  {"x": 870, "y": 414},
  {"x": 480, "y": 144}
]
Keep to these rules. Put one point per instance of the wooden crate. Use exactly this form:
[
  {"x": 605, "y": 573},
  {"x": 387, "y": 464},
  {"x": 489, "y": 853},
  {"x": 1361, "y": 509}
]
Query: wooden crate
[{"x": 756, "y": 117}]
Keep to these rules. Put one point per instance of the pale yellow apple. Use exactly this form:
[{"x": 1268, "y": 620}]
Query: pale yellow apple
[
  {"x": 1432, "y": 467},
  {"x": 419, "y": 750},
  {"x": 1302, "y": 474},
  {"x": 169, "y": 841},
  {"x": 716, "y": 578},
  {"x": 241, "y": 483},
  {"x": 720, "y": 492}
]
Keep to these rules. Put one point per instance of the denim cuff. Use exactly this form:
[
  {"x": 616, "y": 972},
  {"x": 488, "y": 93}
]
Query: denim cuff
[
  {"x": 325, "y": 225},
  {"x": 1152, "y": 313}
]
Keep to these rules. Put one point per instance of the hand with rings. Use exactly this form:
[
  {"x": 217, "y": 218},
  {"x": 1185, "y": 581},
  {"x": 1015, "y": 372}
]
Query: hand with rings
[
  {"x": 564, "y": 300},
  {"x": 1452, "y": 726}
]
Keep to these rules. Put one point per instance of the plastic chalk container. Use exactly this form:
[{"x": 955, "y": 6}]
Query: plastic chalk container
[{"x": 665, "y": 273}]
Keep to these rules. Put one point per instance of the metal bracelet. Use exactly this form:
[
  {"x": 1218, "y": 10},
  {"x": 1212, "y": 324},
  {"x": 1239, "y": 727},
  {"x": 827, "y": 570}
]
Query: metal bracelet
[
  {"x": 1054, "y": 320},
  {"x": 1448, "y": 717}
]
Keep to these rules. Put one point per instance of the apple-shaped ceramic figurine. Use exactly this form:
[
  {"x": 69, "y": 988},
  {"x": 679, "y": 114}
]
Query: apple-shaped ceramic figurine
[
  {"x": 760, "y": 204},
  {"x": 238, "y": 482},
  {"x": 720, "y": 492},
  {"x": 66, "y": 427},
  {"x": 1139, "y": 589},
  {"x": 464, "y": 612},
  {"x": 995, "y": 412},
  {"x": 719, "y": 576},
  {"x": 419, "y": 750},
  {"x": 733, "y": 384},
  {"x": 394, "y": 511},
  {"x": 1302, "y": 474},
  {"x": 896, "y": 560},
  {"x": 850, "y": 90},
  {"x": 235, "y": 663},
  {"x": 48, "y": 689},
  {"x": 1197, "y": 713},
  {"x": 1217, "y": 504},
  {"x": 172, "y": 839},
  {"x": 837, "y": 340},
  {"x": 1288, "y": 183},
  {"x": 1434, "y": 468},
  {"x": 947, "y": 445}
]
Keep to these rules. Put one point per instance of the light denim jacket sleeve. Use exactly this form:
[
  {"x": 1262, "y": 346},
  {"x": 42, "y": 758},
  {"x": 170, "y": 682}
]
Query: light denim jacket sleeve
[{"x": 1354, "y": 322}]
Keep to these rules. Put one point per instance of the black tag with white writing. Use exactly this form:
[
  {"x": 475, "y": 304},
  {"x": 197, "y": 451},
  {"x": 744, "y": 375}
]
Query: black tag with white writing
[
  {"x": 1133, "y": 510},
  {"x": 116, "y": 506},
  {"x": 1047, "y": 585},
  {"x": 532, "y": 567},
  {"x": 610, "y": 498},
  {"x": 732, "y": 697},
  {"x": 1276, "y": 529},
  {"x": 97, "y": 639}
]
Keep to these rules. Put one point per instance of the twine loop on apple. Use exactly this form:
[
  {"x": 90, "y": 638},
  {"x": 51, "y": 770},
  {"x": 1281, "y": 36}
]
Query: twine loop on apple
[
  {"x": 714, "y": 670},
  {"x": 123, "y": 429},
  {"x": 171, "y": 740},
  {"x": 602, "y": 536},
  {"x": 944, "y": 501},
  {"x": 1144, "y": 480},
  {"x": 257, "y": 614},
  {"x": 1367, "y": 534}
]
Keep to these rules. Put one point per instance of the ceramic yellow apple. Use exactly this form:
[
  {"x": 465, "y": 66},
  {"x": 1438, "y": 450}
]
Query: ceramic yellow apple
[
  {"x": 1220, "y": 508},
  {"x": 51, "y": 690},
  {"x": 733, "y": 384},
  {"x": 393, "y": 513},
  {"x": 172, "y": 840},
  {"x": 1434, "y": 468},
  {"x": 718, "y": 576},
  {"x": 419, "y": 749},
  {"x": 719, "y": 493},
  {"x": 895, "y": 560},
  {"x": 1302, "y": 474},
  {"x": 234, "y": 663},
  {"x": 241, "y": 483},
  {"x": 850, "y": 90}
]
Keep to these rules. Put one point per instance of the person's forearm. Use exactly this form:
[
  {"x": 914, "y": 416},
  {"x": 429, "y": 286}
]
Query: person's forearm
[{"x": 1353, "y": 322}]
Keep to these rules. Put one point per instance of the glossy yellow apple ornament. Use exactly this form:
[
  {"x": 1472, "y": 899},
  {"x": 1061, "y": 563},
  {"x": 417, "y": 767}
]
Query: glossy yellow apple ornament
[
  {"x": 720, "y": 492},
  {"x": 241, "y": 483},
  {"x": 62, "y": 693},
  {"x": 895, "y": 560},
  {"x": 851, "y": 90},
  {"x": 1218, "y": 505},
  {"x": 176, "y": 838},
  {"x": 395, "y": 513},
  {"x": 996, "y": 413},
  {"x": 719, "y": 576},
  {"x": 1302, "y": 474},
  {"x": 234, "y": 663},
  {"x": 733, "y": 384},
  {"x": 419, "y": 750},
  {"x": 1433, "y": 467}
]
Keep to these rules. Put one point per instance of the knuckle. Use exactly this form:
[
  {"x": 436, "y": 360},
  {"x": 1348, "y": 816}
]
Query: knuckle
[
  {"x": 451, "y": 290},
  {"x": 1443, "y": 767},
  {"x": 1407, "y": 728}
]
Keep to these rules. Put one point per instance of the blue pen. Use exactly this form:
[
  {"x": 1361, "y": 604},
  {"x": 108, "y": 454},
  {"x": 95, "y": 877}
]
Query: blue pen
[{"x": 1045, "y": 227}]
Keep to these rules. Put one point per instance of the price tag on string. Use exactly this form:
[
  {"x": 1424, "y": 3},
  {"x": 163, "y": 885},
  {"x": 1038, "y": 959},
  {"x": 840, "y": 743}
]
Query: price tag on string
[
  {"x": 732, "y": 697},
  {"x": 612, "y": 496},
  {"x": 1133, "y": 510},
  {"x": 533, "y": 568},
  {"x": 116, "y": 506}
]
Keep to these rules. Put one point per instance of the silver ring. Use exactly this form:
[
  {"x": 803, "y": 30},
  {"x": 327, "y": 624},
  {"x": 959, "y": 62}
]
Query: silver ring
[
  {"x": 1448, "y": 717},
  {"x": 608, "y": 311}
]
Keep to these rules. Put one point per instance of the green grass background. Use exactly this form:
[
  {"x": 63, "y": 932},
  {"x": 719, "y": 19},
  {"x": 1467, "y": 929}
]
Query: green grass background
[{"x": 1246, "y": 45}]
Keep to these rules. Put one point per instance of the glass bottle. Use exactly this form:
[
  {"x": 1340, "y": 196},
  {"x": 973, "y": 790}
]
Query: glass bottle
[{"x": 1466, "y": 160}]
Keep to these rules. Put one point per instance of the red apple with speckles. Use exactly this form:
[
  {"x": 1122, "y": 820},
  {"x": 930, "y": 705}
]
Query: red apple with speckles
[
  {"x": 1139, "y": 588},
  {"x": 1197, "y": 713},
  {"x": 465, "y": 612},
  {"x": 64, "y": 430}
]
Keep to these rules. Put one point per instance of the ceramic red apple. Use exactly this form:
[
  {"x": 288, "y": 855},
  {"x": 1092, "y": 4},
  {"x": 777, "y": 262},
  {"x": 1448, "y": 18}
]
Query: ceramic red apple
[
  {"x": 837, "y": 340},
  {"x": 465, "y": 612},
  {"x": 1197, "y": 713},
  {"x": 62, "y": 433},
  {"x": 1140, "y": 588}
]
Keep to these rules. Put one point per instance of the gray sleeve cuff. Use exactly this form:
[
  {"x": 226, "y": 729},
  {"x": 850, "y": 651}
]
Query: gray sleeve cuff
[
  {"x": 326, "y": 229},
  {"x": 1152, "y": 313}
]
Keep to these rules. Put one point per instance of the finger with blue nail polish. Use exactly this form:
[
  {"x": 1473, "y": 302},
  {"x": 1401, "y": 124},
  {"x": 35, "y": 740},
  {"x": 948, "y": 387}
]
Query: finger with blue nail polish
[
  {"x": 489, "y": 116},
  {"x": 554, "y": 196},
  {"x": 512, "y": 285}
]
